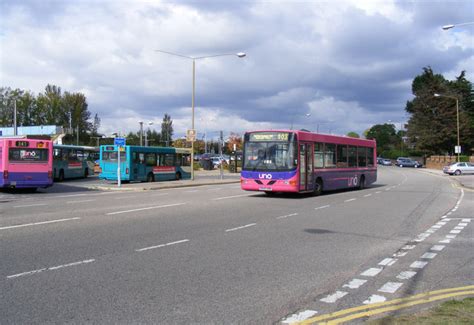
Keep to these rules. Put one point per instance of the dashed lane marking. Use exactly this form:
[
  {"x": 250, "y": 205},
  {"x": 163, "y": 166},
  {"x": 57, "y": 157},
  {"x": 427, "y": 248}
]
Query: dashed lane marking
[
  {"x": 230, "y": 197},
  {"x": 29, "y": 205},
  {"x": 390, "y": 287},
  {"x": 299, "y": 317},
  {"x": 354, "y": 284},
  {"x": 38, "y": 223},
  {"x": 388, "y": 261},
  {"x": 405, "y": 275},
  {"x": 372, "y": 272},
  {"x": 418, "y": 264},
  {"x": 429, "y": 255},
  {"x": 322, "y": 207},
  {"x": 288, "y": 215},
  {"x": 241, "y": 227},
  {"x": 377, "y": 305},
  {"x": 350, "y": 200},
  {"x": 49, "y": 269},
  {"x": 162, "y": 245},
  {"x": 438, "y": 248},
  {"x": 147, "y": 208},
  {"x": 330, "y": 299}
]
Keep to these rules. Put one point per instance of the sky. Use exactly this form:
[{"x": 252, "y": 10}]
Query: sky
[{"x": 328, "y": 66}]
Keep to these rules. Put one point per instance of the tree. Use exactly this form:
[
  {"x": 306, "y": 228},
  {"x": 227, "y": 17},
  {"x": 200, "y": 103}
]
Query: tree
[
  {"x": 432, "y": 127},
  {"x": 353, "y": 134},
  {"x": 167, "y": 130},
  {"x": 386, "y": 137},
  {"x": 236, "y": 139}
]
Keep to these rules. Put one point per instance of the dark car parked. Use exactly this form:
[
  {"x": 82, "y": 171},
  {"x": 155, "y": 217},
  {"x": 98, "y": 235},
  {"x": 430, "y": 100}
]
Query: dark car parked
[{"x": 407, "y": 162}]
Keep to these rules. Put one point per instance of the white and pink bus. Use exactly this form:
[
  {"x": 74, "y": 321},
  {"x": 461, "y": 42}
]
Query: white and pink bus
[
  {"x": 26, "y": 163},
  {"x": 305, "y": 162}
]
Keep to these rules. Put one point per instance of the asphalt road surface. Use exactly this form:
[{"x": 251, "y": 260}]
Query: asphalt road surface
[{"x": 217, "y": 254}]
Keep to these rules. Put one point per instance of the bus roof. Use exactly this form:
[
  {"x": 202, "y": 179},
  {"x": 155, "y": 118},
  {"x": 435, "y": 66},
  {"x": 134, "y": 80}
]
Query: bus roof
[
  {"x": 71, "y": 146},
  {"x": 326, "y": 138}
]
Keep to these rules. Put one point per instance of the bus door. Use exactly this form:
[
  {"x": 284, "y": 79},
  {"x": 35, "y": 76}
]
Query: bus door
[
  {"x": 306, "y": 166},
  {"x": 139, "y": 167}
]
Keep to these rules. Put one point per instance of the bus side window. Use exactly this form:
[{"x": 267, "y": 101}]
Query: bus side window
[
  {"x": 362, "y": 156},
  {"x": 318, "y": 155},
  {"x": 80, "y": 155},
  {"x": 352, "y": 156},
  {"x": 150, "y": 159},
  {"x": 57, "y": 154},
  {"x": 141, "y": 157},
  {"x": 186, "y": 160},
  {"x": 329, "y": 155},
  {"x": 169, "y": 159},
  {"x": 341, "y": 156},
  {"x": 65, "y": 154},
  {"x": 179, "y": 159},
  {"x": 370, "y": 157}
]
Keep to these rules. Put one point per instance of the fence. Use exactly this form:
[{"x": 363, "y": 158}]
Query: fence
[{"x": 437, "y": 162}]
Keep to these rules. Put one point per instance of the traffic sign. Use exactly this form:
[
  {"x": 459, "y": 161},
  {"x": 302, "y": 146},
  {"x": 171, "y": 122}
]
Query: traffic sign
[
  {"x": 119, "y": 142},
  {"x": 191, "y": 135},
  {"x": 457, "y": 149}
]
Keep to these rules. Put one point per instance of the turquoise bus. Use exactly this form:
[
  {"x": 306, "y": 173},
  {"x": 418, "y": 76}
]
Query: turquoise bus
[
  {"x": 71, "y": 161},
  {"x": 145, "y": 163}
]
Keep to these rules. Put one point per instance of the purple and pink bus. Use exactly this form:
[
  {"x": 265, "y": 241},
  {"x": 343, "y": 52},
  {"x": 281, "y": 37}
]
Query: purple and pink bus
[
  {"x": 26, "y": 163},
  {"x": 305, "y": 162}
]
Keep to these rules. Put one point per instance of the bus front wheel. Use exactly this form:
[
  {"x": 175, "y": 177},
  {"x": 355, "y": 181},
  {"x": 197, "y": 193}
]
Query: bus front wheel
[
  {"x": 318, "y": 187},
  {"x": 150, "y": 177}
]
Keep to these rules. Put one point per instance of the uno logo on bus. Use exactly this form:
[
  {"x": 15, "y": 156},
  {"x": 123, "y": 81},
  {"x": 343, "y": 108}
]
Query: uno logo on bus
[
  {"x": 266, "y": 176},
  {"x": 352, "y": 181}
]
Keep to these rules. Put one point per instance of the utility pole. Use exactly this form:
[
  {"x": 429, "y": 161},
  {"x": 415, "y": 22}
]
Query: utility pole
[
  {"x": 15, "y": 129},
  {"x": 221, "y": 144}
]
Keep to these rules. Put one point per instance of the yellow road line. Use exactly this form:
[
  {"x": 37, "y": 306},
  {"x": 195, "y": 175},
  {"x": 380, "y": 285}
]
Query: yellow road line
[
  {"x": 343, "y": 312},
  {"x": 397, "y": 307}
]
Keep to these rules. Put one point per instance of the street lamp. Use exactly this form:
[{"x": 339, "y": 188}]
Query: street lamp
[
  {"x": 446, "y": 27},
  {"x": 240, "y": 55},
  {"x": 141, "y": 133},
  {"x": 458, "y": 149}
]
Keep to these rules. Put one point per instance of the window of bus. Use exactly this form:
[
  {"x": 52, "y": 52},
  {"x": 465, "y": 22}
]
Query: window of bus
[
  {"x": 27, "y": 155},
  {"x": 342, "y": 156},
  {"x": 183, "y": 159},
  {"x": 370, "y": 157},
  {"x": 112, "y": 155},
  {"x": 362, "y": 156},
  {"x": 352, "y": 156},
  {"x": 318, "y": 155},
  {"x": 57, "y": 154},
  {"x": 150, "y": 159},
  {"x": 169, "y": 159},
  {"x": 329, "y": 155}
]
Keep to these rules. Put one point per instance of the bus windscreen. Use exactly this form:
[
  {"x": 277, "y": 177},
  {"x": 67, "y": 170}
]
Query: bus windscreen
[{"x": 27, "y": 155}]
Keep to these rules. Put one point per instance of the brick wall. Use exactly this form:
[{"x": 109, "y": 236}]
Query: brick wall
[{"x": 438, "y": 162}]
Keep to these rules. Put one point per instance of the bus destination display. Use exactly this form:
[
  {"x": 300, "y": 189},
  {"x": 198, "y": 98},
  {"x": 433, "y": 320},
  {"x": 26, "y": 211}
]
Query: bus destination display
[{"x": 269, "y": 136}]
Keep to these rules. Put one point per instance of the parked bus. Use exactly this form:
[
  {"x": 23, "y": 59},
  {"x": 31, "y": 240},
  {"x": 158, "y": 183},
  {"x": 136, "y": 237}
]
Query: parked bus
[
  {"x": 71, "y": 161},
  {"x": 145, "y": 163},
  {"x": 26, "y": 163},
  {"x": 300, "y": 161}
]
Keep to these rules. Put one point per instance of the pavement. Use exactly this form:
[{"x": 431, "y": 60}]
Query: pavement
[{"x": 201, "y": 178}]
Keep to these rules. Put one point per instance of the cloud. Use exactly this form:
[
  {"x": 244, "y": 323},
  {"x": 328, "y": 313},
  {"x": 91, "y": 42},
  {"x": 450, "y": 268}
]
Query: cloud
[{"x": 351, "y": 62}]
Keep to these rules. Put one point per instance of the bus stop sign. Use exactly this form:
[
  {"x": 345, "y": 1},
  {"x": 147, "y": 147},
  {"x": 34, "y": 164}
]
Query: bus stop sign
[{"x": 120, "y": 142}]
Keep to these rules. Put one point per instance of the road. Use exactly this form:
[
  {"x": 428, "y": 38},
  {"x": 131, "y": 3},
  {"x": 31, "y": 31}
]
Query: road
[{"x": 216, "y": 254}]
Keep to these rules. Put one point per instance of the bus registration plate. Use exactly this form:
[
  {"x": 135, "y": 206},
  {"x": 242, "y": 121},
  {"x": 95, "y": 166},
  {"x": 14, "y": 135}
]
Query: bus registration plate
[{"x": 265, "y": 189}]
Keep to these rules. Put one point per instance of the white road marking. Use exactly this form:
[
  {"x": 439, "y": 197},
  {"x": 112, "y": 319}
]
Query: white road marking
[
  {"x": 38, "y": 223},
  {"x": 405, "y": 275},
  {"x": 388, "y": 261},
  {"x": 445, "y": 241},
  {"x": 230, "y": 197},
  {"x": 125, "y": 197},
  {"x": 462, "y": 224},
  {"x": 367, "y": 195},
  {"x": 400, "y": 254},
  {"x": 29, "y": 205},
  {"x": 455, "y": 231},
  {"x": 350, "y": 200},
  {"x": 148, "y": 208},
  {"x": 162, "y": 245},
  {"x": 378, "y": 192},
  {"x": 242, "y": 227},
  {"x": 418, "y": 264},
  {"x": 371, "y": 272},
  {"x": 436, "y": 226},
  {"x": 354, "y": 284},
  {"x": 466, "y": 220},
  {"x": 50, "y": 268},
  {"x": 458, "y": 228},
  {"x": 451, "y": 236},
  {"x": 334, "y": 297},
  {"x": 192, "y": 191},
  {"x": 374, "y": 299},
  {"x": 441, "y": 223},
  {"x": 83, "y": 201},
  {"x": 390, "y": 287},
  {"x": 70, "y": 195},
  {"x": 408, "y": 247},
  {"x": 322, "y": 207},
  {"x": 429, "y": 255},
  {"x": 431, "y": 231},
  {"x": 299, "y": 317},
  {"x": 288, "y": 215},
  {"x": 438, "y": 248}
]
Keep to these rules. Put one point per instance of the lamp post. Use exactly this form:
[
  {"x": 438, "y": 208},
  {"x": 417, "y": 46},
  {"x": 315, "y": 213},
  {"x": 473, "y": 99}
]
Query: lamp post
[
  {"x": 141, "y": 132},
  {"x": 446, "y": 27},
  {"x": 240, "y": 55},
  {"x": 457, "y": 120}
]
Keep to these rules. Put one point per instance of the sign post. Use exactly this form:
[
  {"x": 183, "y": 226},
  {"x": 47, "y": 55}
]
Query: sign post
[
  {"x": 191, "y": 137},
  {"x": 119, "y": 142}
]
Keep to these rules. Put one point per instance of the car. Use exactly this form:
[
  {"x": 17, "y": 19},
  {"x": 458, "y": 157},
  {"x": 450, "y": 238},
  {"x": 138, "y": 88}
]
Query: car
[
  {"x": 459, "y": 168},
  {"x": 407, "y": 162},
  {"x": 218, "y": 160},
  {"x": 384, "y": 162}
]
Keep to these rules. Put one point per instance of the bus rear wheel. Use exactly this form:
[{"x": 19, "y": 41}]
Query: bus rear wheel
[
  {"x": 150, "y": 177},
  {"x": 86, "y": 172},
  {"x": 178, "y": 176},
  {"x": 61, "y": 176},
  {"x": 318, "y": 187}
]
